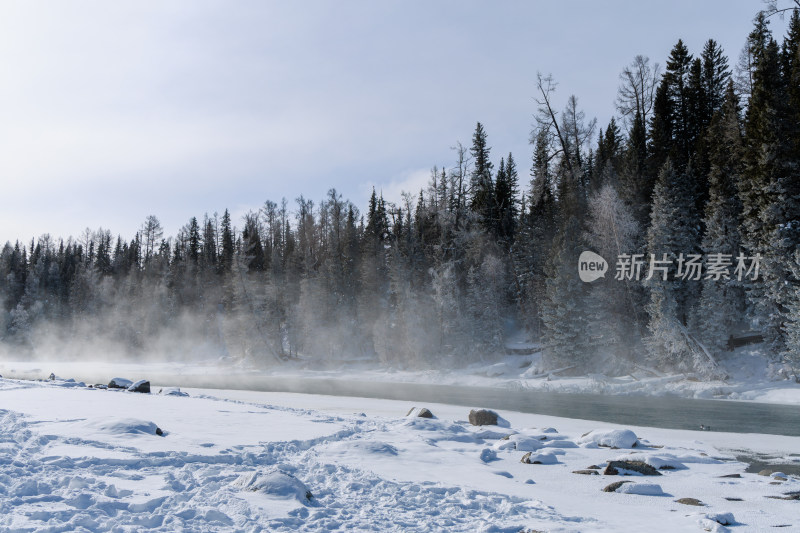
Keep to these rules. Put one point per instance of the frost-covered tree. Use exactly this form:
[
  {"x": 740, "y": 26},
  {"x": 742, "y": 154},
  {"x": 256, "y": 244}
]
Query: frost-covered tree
[
  {"x": 673, "y": 237},
  {"x": 769, "y": 187},
  {"x": 722, "y": 306},
  {"x": 615, "y": 316}
]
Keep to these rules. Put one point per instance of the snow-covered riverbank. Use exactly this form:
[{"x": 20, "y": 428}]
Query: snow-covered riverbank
[
  {"x": 73, "y": 457},
  {"x": 750, "y": 376}
]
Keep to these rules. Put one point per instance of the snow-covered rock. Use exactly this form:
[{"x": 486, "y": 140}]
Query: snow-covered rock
[
  {"x": 172, "y": 391},
  {"x": 609, "y": 438},
  {"x": 726, "y": 519},
  {"x": 140, "y": 386},
  {"x": 643, "y": 489},
  {"x": 630, "y": 468},
  {"x": 119, "y": 383},
  {"x": 716, "y": 522},
  {"x": 488, "y": 455},
  {"x": 122, "y": 426},
  {"x": 544, "y": 458},
  {"x": 658, "y": 461},
  {"x": 275, "y": 483},
  {"x": 421, "y": 412},
  {"x": 520, "y": 442}
]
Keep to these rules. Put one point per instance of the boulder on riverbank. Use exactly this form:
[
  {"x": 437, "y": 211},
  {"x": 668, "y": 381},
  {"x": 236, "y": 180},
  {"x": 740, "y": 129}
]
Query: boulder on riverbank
[
  {"x": 627, "y": 468},
  {"x": 420, "y": 412},
  {"x": 119, "y": 383},
  {"x": 140, "y": 386}
]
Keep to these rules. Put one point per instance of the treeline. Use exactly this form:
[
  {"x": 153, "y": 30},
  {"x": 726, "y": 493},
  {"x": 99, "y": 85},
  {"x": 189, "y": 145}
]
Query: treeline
[{"x": 696, "y": 179}]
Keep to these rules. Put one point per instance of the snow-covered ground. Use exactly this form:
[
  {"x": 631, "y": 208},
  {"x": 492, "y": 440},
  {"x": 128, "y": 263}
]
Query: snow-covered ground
[{"x": 74, "y": 458}]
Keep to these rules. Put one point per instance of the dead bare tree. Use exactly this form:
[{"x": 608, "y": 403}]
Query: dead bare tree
[{"x": 637, "y": 90}]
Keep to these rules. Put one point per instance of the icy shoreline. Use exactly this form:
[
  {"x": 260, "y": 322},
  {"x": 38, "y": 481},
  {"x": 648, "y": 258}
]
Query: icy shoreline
[{"x": 749, "y": 379}]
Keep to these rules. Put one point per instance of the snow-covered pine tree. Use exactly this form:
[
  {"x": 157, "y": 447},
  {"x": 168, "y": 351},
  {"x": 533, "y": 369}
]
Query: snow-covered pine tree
[
  {"x": 791, "y": 355},
  {"x": 564, "y": 311},
  {"x": 535, "y": 236},
  {"x": 770, "y": 189},
  {"x": 614, "y": 316},
  {"x": 722, "y": 303},
  {"x": 673, "y": 231}
]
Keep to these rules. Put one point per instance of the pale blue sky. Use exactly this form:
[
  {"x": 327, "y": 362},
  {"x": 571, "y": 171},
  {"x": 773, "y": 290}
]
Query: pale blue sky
[{"x": 112, "y": 111}]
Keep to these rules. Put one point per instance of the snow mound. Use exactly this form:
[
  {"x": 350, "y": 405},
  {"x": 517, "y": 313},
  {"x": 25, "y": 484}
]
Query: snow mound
[
  {"x": 121, "y": 426},
  {"x": 362, "y": 448},
  {"x": 726, "y": 519},
  {"x": 172, "y": 391},
  {"x": 716, "y": 522},
  {"x": 523, "y": 443},
  {"x": 488, "y": 455},
  {"x": 59, "y": 382},
  {"x": 439, "y": 430},
  {"x": 275, "y": 483},
  {"x": 609, "y": 438},
  {"x": 494, "y": 433},
  {"x": 642, "y": 489}
]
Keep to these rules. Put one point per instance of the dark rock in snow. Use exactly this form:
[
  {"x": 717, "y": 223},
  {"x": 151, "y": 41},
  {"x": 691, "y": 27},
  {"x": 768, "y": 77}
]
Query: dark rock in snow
[
  {"x": 614, "y": 486},
  {"x": 587, "y": 472},
  {"x": 734, "y": 499},
  {"x": 639, "y": 467},
  {"x": 140, "y": 386},
  {"x": 734, "y": 476},
  {"x": 119, "y": 383},
  {"x": 52, "y": 377},
  {"x": 690, "y": 501},
  {"x": 482, "y": 417},
  {"x": 421, "y": 412},
  {"x": 159, "y": 432}
]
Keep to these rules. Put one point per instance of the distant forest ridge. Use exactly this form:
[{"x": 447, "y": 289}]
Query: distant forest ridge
[{"x": 701, "y": 163}]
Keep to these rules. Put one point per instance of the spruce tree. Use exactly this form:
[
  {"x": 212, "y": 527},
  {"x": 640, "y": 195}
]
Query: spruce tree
[
  {"x": 481, "y": 184},
  {"x": 679, "y": 66},
  {"x": 226, "y": 257},
  {"x": 674, "y": 230},
  {"x": 722, "y": 304},
  {"x": 770, "y": 190},
  {"x": 505, "y": 200},
  {"x": 193, "y": 251},
  {"x": 564, "y": 311},
  {"x": 537, "y": 229}
]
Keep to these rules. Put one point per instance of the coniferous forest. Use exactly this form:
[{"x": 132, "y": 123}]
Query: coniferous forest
[{"x": 691, "y": 194}]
